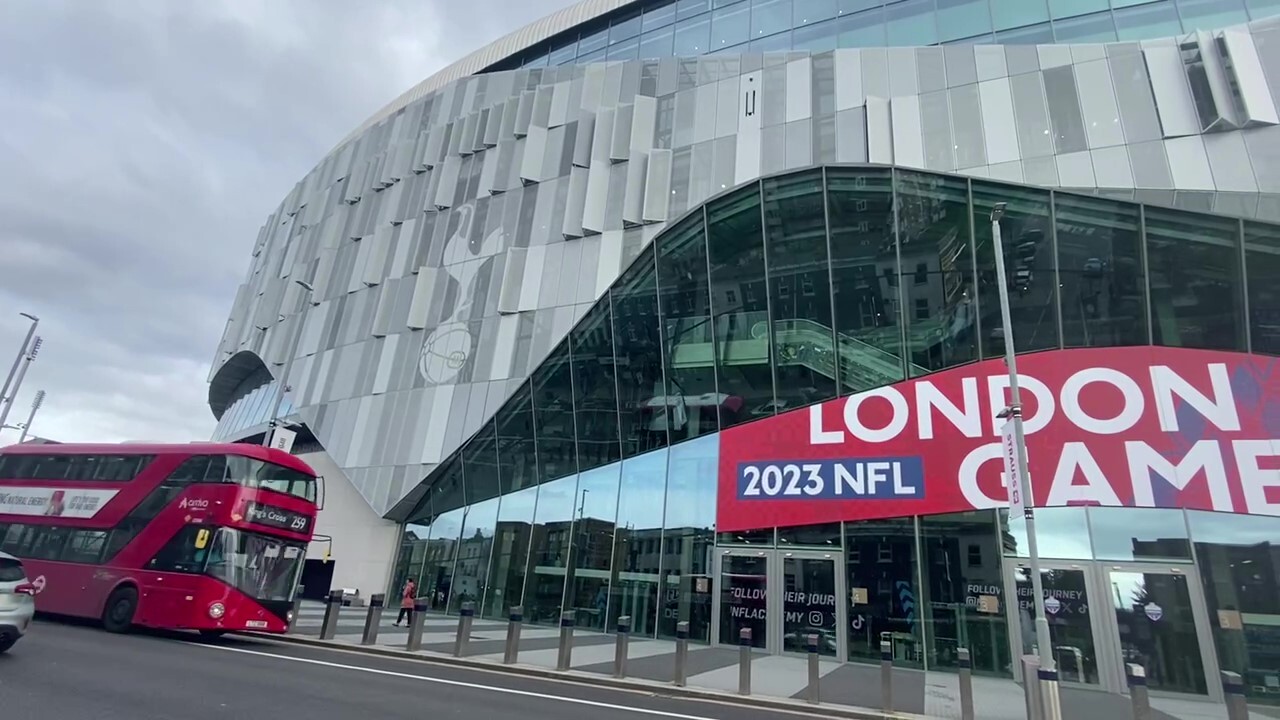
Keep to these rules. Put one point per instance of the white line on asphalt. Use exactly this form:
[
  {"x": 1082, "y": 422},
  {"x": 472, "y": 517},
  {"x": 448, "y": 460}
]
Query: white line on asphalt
[{"x": 459, "y": 683}]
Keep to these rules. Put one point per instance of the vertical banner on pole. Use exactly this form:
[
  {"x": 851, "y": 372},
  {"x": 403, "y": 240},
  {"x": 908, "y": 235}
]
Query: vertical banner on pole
[{"x": 1018, "y": 501}]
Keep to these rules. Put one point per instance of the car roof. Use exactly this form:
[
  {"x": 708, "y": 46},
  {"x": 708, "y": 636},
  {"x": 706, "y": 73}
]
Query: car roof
[{"x": 7, "y": 556}]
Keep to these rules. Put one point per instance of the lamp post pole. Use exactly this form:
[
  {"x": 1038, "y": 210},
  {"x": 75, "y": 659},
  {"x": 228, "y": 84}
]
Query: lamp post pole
[
  {"x": 22, "y": 373},
  {"x": 1048, "y": 671},
  {"x": 31, "y": 331},
  {"x": 35, "y": 405},
  {"x": 288, "y": 368}
]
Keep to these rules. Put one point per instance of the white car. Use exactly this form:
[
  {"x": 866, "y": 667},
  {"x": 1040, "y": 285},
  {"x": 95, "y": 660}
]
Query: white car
[{"x": 17, "y": 601}]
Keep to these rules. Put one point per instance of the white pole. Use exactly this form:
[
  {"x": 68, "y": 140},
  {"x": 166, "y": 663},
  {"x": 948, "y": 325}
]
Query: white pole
[
  {"x": 288, "y": 368},
  {"x": 35, "y": 405},
  {"x": 22, "y": 373},
  {"x": 1049, "y": 685},
  {"x": 22, "y": 351}
]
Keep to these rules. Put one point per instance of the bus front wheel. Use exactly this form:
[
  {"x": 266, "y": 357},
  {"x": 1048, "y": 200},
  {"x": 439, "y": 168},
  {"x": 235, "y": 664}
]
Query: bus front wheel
[{"x": 117, "y": 617}]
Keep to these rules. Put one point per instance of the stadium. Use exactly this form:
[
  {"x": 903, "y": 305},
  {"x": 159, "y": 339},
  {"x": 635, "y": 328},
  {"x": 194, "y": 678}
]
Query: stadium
[{"x": 687, "y": 311}]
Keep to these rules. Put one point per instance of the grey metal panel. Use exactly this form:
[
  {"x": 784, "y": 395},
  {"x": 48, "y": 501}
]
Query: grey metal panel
[
  {"x": 493, "y": 125},
  {"x": 593, "y": 217},
  {"x": 379, "y": 245},
  {"x": 851, "y": 135},
  {"x": 657, "y": 186},
  {"x": 488, "y": 171},
  {"x": 1219, "y": 84},
  {"x": 990, "y": 62},
  {"x": 449, "y": 174},
  {"x": 602, "y": 138},
  {"x": 903, "y": 78},
  {"x": 382, "y": 317},
  {"x": 726, "y": 108},
  {"x": 1133, "y": 92},
  {"x": 931, "y": 68},
  {"x": 961, "y": 65},
  {"x": 848, "y": 80},
  {"x": 1098, "y": 103},
  {"x": 541, "y": 115},
  {"x": 1111, "y": 167},
  {"x": 428, "y": 281},
  {"x": 1034, "y": 135},
  {"x": 875, "y": 72},
  {"x": 633, "y": 197},
  {"x": 908, "y": 145},
  {"x": 1229, "y": 160},
  {"x": 582, "y": 141},
  {"x": 1052, "y": 56},
  {"x": 535, "y": 147},
  {"x": 644, "y": 117},
  {"x": 998, "y": 120},
  {"x": 1257, "y": 103},
  {"x": 750, "y": 96},
  {"x": 559, "y": 112},
  {"x": 524, "y": 114},
  {"x": 706, "y": 102},
  {"x": 512, "y": 280},
  {"x": 1064, "y": 110},
  {"x": 510, "y": 111},
  {"x": 467, "y": 139},
  {"x": 799, "y": 91},
  {"x": 1264, "y": 148},
  {"x": 1188, "y": 163},
  {"x": 1021, "y": 59},
  {"x": 592, "y": 87},
  {"x": 620, "y": 142},
  {"x": 576, "y": 203},
  {"x": 1177, "y": 110},
  {"x": 967, "y": 127},
  {"x": 1040, "y": 171},
  {"x": 935, "y": 120},
  {"x": 879, "y": 131}
]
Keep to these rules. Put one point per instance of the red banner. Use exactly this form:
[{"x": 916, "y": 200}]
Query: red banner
[{"x": 1137, "y": 427}]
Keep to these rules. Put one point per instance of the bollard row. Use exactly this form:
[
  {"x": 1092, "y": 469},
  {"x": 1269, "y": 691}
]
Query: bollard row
[
  {"x": 514, "y": 621},
  {"x": 373, "y": 619},
  {"x": 564, "y": 659},
  {"x": 329, "y": 627}
]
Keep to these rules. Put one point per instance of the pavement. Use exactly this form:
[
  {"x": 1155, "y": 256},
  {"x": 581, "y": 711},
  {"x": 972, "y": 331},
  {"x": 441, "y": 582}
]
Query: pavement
[
  {"x": 78, "y": 672},
  {"x": 780, "y": 682}
]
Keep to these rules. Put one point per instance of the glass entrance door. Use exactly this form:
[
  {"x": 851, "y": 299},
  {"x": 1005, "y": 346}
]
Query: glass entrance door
[
  {"x": 1073, "y": 625},
  {"x": 743, "y": 601},
  {"x": 782, "y": 596},
  {"x": 811, "y": 602},
  {"x": 1160, "y": 623},
  {"x": 1104, "y": 615}
]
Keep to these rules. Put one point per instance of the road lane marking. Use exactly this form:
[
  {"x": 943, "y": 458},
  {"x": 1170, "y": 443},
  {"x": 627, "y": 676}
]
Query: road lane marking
[{"x": 459, "y": 683}]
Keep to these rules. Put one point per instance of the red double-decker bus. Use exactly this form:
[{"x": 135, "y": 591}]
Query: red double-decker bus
[{"x": 202, "y": 536}]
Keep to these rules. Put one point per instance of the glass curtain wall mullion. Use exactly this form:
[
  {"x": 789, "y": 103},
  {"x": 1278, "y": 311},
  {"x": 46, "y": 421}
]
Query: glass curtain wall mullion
[
  {"x": 1057, "y": 266},
  {"x": 973, "y": 253},
  {"x": 922, "y": 594},
  {"x": 1146, "y": 273},
  {"x": 768, "y": 296},
  {"x": 1244, "y": 284},
  {"x": 711, "y": 310},
  {"x": 831, "y": 294},
  {"x": 904, "y": 338}
]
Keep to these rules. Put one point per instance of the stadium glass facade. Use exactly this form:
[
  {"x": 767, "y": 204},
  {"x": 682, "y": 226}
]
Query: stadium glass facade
[
  {"x": 548, "y": 291},
  {"x": 684, "y": 28},
  {"x": 592, "y": 489}
]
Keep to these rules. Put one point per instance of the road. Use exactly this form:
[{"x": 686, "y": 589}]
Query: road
[{"x": 77, "y": 672}]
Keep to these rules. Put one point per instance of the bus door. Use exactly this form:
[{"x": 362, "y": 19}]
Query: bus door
[{"x": 172, "y": 577}]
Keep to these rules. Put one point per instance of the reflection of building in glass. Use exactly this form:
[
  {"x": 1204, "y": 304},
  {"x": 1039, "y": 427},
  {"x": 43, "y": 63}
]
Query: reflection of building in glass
[{"x": 547, "y": 278}]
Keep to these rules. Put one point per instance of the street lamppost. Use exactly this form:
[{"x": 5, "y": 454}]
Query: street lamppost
[
  {"x": 35, "y": 405},
  {"x": 31, "y": 331},
  {"x": 288, "y": 367},
  {"x": 1048, "y": 674},
  {"x": 22, "y": 373}
]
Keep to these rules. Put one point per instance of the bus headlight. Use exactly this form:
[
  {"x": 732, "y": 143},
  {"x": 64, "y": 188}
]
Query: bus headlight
[
  {"x": 217, "y": 610},
  {"x": 289, "y": 616}
]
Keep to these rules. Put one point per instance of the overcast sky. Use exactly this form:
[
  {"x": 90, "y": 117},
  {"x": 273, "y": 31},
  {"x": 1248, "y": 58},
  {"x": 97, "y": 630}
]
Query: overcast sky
[{"x": 142, "y": 145}]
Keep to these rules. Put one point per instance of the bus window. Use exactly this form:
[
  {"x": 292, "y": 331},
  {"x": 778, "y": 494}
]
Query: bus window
[{"x": 185, "y": 552}]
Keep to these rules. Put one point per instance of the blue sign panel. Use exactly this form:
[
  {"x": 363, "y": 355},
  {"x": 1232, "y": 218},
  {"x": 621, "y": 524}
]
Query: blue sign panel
[{"x": 890, "y": 478}]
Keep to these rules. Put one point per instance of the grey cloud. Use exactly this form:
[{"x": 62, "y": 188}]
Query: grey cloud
[{"x": 142, "y": 146}]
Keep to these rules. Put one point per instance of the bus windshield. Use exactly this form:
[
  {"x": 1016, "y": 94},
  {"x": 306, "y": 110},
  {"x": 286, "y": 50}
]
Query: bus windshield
[
  {"x": 258, "y": 474},
  {"x": 262, "y": 567}
]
